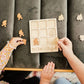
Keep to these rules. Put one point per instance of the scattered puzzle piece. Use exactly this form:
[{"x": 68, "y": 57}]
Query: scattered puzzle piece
[
  {"x": 24, "y": 40},
  {"x": 80, "y": 17},
  {"x": 19, "y": 16},
  {"x": 36, "y": 42},
  {"x": 21, "y": 33},
  {"x": 61, "y": 18},
  {"x": 82, "y": 37},
  {"x": 4, "y": 23}
]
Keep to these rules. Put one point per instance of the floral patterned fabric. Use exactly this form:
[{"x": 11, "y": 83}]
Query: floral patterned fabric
[{"x": 5, "y": 55}]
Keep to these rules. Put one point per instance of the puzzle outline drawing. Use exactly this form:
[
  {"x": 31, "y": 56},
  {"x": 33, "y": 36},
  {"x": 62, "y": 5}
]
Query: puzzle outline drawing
[{"x": 43, "y": 35}]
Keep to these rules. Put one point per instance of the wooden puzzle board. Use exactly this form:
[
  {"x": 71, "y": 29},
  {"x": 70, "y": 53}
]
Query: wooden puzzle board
[{"x": 43, "y": 35}]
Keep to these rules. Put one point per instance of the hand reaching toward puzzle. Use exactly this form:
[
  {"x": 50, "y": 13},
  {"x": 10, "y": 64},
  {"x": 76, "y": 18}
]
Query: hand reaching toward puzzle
[
  {"x": 66, "y": 45},
  {"x": 16, "y": 41},
  {"x": 6, "y": 52},
  {"x": 47, "y": 73}
]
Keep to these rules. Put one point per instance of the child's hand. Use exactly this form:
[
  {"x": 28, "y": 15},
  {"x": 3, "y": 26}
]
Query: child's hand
[
  {"x": 48, "y": 72},
  {"x": 66, "y": 45},
  {"x": 16, "y": 41}
]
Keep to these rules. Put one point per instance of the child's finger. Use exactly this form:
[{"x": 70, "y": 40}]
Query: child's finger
[
  {"x": 45, "y": 69},
  {"x": 62, "y": 45},
  {"x": 60, "y": 48},
  {"x": 18, "y": 38},
  {"x": 50, "y": 67},
  {"x": 53, "y": 66},
  {"x": 23, "y": 41}
]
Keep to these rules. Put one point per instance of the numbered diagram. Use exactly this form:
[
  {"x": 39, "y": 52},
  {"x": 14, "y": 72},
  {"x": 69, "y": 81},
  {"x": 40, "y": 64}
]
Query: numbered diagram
[{"x": 43, "y": 35}]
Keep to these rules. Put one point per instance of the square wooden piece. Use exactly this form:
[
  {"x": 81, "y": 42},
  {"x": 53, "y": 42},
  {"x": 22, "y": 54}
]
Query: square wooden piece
[{"x": 43, "y": 35}]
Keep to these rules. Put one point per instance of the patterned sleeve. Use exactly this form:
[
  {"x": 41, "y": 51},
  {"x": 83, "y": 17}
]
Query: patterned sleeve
[{"x": 5, "y": 55}]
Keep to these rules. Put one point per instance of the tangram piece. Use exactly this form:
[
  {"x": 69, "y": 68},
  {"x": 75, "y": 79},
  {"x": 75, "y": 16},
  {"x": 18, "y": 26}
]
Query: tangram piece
[
  {"x": 82, "y": 37},
  {"x": 80, "y": 17},
  {"x": 35, "y": 41},
  {"x": 4, "y": 23},
  {"x": 19, "y": 16},
  {"x": 24, "y": 40},
  {"x": 21, "y": 33},
  {"x": 43, "y": 35},
  {"x": 61, "y": 18}
]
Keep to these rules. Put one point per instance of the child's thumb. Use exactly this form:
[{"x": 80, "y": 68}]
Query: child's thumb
[{"x": 61, "y": 45}]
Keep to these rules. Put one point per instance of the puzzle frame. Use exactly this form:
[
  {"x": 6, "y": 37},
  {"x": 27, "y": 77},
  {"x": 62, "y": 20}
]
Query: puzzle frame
[{"x": 43, "y": 35}]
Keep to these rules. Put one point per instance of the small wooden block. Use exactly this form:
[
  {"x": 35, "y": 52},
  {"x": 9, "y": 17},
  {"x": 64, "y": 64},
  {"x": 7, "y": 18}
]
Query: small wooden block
[
  {"x": 4, "y": 23},
  {"x": 80, "y": 17},
  {"x": 82, "y": 37},
  {"x": 35, "y": 41},
  {"x": 21, "y": 33},
  {"x": 61, "y": 18},
  {"x": 19, "y": 16},
  {"x": 24, "y": 40}
]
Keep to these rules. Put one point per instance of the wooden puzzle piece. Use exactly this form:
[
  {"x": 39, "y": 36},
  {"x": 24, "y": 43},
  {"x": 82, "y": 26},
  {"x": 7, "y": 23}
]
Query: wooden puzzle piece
[
  {"x": 21, "y": 33},
  {"x": 19, "y": 16},
  {"x": 82, "y": 37},
  {"x": 79, "y": 17},
  {"x": 61, "y": 18},
  {"x": 24, "y": 40},
  {"x": 36, "y": 42},
  {"x": 4, "y": 23}
]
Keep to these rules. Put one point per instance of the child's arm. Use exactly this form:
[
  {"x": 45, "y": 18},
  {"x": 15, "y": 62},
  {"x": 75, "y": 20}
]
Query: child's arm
[
  {"x": 7, "y": 50},
  {"x": 66, "y": 45}
]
